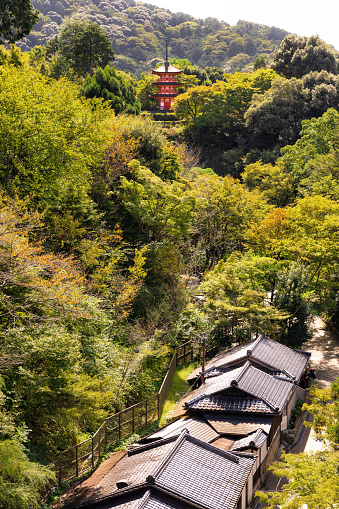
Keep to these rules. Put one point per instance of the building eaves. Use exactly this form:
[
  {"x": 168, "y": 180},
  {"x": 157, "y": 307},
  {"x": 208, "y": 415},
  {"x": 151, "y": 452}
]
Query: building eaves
[
  {"x": 197, "y": 427},
  {"x": 141, "y": 497},
  {"x": 257, "y": 391},
  {"x": 264, "y": 352},
  {"x": 254, "y": 440},
  {"x": 239, "y": 424},
  {"x": 152, "y": 445},
  {"x": 231, "y": 404},
  {"x": 197, "y": 471},
  {"x": 167, "y": 70}
]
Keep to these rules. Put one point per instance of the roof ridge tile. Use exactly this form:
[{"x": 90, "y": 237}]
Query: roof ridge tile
[
  {"x": 144, "y": 500},
  {"x": 152, "y": 478},
  {"x": 212, "y": 448},
  {"x": 191, "y": 401},
  {"x": 269, "y": 403},
  {"x": 242, "y": 372},
  {"x": 256, "y": 342},
  {"x": 152, "y": 445}
]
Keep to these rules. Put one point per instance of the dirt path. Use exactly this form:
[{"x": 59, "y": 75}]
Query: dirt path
[{"x": 324, "y": 347}]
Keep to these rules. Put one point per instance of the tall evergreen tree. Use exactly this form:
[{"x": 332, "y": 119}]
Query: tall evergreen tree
[
  {"x": 16, "y": 19},
  {"x": 84, "y": 45}
]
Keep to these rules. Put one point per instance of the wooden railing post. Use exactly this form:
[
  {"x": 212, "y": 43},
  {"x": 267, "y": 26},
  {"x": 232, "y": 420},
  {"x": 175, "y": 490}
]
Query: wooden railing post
[
  {"x": 92, "y": 453},
  {"x": 159, "y": 409},
  {"x": 99, "y": 451},
  {"x": 59, "y": 474},
  {"x": 146, "y": 411},
  {"x": 76, "y": 461},
  {"x": 133, "y": 419},
  {"x": 119, "y": 425},
  {"x": 105, "y": 432}
]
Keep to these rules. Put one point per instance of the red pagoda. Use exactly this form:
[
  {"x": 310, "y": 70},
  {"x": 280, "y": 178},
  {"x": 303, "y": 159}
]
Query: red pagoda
[{"x": 166, "y": 84}]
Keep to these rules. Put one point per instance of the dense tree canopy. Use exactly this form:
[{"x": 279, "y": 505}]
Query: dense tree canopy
[
  {"x": 297, "y": 56},
  {"x": 83, "y": 45},
  {"x": 16, "y": 20},
  {"x": 138, "y": 30},
  {"x": 215, "y": 115},
  {"x": 115, "y": 87},
  {"x": 47, "y": 137},
  {"x": 275, "y": 117},
  {"x": 21, "y": 480},
  {"x": 109, "y": 219}
]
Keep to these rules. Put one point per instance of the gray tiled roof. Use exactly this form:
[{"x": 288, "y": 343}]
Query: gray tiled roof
[
  {"x": 205, "y": 474},
  {"x": 230, "y": 404},
  {"x": 197, "y": 427},
  {"x": 157, "y": 503},
  {"x": 151, "y": 501},
  {"x": 246, "y": 389},
  {"x": 187, "y": 468},
  {"x": 133, "y": 468},
  {"x": 280, "y": 357},
  {"x": 148, "y": 500},
  {"x": 240, "y": 424},
  {"x": 254, "y": 440},
  {"x": 264, "y": 352},
  {"x": 152, "y": 498},
  {"x": 133, "y": 503}
]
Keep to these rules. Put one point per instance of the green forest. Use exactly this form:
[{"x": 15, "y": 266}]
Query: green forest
[
  {"x": 138, "y": 30},
  {"x": 122, "y": 237}
]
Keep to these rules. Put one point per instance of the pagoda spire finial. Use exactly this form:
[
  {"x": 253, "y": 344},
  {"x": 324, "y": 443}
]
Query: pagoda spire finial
[{"x": 166, "y": 61}]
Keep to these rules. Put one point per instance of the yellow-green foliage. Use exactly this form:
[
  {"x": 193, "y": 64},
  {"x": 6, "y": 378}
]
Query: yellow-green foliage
[
  {"x": 312, "y": 481},
  {"x": 21, "y": 480},
  {"x": 178, "y": 388}
]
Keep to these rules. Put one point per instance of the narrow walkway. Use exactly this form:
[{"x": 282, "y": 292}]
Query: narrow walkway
[{"x": 324, "y": 347}]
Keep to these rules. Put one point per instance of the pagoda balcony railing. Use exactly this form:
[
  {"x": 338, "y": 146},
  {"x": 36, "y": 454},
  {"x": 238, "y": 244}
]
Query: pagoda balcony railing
[
  {"x": 164, "y": 95},
  {"x": 167, "y": 83}
]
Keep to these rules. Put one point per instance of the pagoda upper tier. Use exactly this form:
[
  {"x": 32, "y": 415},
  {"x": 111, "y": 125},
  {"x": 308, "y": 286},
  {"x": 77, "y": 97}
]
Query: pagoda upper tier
[{"x": 166, "y": 85}]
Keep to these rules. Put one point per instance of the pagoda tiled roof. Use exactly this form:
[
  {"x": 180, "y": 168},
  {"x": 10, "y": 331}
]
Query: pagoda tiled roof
[{"x": 164, "y": 70}]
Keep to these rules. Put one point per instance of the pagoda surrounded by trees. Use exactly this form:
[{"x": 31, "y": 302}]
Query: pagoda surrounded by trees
[{"x": 166, "y": 84}]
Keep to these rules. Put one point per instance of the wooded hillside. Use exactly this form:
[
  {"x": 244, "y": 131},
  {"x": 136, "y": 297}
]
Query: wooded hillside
[
  {"x": 138, "y": 30},
  {"x": 121, "y": 238}
]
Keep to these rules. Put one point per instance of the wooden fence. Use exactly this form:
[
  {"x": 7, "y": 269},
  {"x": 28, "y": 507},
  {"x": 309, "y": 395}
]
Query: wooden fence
[{"x": 82, "y": 457}]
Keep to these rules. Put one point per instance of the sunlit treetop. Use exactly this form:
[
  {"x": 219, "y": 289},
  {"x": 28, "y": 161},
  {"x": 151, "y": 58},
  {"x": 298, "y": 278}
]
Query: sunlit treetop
[{"x": 16, "y": 20}]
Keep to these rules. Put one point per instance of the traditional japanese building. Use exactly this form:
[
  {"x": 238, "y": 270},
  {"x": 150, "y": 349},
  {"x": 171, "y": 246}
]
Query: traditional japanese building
[{"x": 166, "y": 85}]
